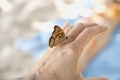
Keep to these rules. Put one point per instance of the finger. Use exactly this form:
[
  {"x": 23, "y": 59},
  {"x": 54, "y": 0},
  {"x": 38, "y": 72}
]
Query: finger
[
  {"x": 96, "y": 79},
  {"x": 67, "y": 24},
  {"x": 67, "y": 28},
  {"x": 74, "y": 32},
  {"x": 86, "y": 36}
]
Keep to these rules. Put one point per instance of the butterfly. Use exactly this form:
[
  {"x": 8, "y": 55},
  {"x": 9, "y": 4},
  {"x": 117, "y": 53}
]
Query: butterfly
[{"x": 58, "y": 36}]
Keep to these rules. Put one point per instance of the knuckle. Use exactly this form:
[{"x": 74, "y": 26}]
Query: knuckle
[
  {"x": 74, "y": 46},
  {"x": 89, "y": 30},
  {"x": 80, "y": 25}
]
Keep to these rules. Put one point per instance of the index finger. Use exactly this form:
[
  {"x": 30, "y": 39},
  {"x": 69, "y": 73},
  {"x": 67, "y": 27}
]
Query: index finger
[
  {"x": 75, "y": 31},
  {"x": 86, "y": 35}
]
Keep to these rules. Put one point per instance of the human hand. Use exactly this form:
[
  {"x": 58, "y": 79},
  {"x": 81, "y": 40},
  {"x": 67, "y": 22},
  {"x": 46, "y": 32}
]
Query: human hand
[{"x": 61, "y": 61}]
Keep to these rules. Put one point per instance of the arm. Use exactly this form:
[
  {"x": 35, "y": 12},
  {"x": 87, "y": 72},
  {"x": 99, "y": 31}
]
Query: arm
[{"x": 109, "y": 18}]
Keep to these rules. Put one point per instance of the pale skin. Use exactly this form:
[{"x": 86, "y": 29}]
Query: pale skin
[{"x": 61, "y": 61}]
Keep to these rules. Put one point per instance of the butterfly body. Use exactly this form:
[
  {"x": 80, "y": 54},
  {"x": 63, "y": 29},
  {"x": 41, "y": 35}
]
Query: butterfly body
[{"x": 57, "y": 37}]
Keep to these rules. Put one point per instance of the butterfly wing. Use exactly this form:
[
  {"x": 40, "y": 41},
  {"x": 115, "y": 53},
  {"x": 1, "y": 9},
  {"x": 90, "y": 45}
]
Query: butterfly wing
[
  {"x": 61, "y": 37},
  {"x": 56, "y": 31},
  {"x": 52, "y": 41},
  {"x": 57, "y": 37}
]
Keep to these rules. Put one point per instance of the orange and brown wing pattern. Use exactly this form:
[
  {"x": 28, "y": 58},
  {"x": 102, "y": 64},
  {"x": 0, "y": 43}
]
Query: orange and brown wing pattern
[{"x": 57, "y": 37}]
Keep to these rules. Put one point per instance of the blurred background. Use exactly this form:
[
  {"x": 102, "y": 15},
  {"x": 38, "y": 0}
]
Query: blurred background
[{"x": 25, "y": 28}]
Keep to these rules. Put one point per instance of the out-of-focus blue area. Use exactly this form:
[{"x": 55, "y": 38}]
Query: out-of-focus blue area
[{"x": 107, "y": 63}]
